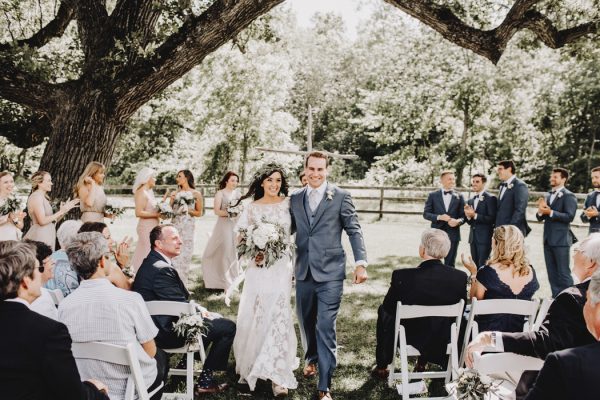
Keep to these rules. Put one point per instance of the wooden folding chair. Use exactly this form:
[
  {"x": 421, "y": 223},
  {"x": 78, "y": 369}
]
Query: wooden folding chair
[
  {"x": 175, "y": 309},
  {"x": 527, "y": 308},
  {"x": 403, "y": 350},
  {"x": 123, "y": 355}
]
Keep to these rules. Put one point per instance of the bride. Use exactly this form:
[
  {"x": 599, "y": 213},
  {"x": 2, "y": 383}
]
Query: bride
[{"x": 265, "y": 343}]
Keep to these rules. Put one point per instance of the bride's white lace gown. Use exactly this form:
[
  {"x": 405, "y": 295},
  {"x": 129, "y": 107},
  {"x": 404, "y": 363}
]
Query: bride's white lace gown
[{"x": 265, "y": 343}]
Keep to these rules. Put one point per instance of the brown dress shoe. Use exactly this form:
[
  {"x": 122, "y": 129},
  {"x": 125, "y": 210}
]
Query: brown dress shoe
[
  {"x": 380, "y": 373},
  {"x": 198, "y": 390},
  {"x": 310, "y": 370},
  {"x": 325, "y": 396}
]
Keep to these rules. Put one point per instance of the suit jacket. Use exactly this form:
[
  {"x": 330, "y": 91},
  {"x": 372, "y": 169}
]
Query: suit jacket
[
  {"x": 556, "y": 228},
  {"x": 563, "y": 327},
  {"x": 482, "y": 228},
  {"x": 431, "y": 283},
  {"x": 319, "y": 246},
  {"x": 156, "y": 280},
  {"x": 512, "y": 206},
  {"x": 434, "y": 206},
  {"x": 36, "y": 362},
  {"x": 569, "y": 374},
  {"x": 594, "y": 222}
]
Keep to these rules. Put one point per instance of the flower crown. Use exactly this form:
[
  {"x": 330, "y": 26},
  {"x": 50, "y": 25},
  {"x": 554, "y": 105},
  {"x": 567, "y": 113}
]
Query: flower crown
[{"x": 269, "y": 167}]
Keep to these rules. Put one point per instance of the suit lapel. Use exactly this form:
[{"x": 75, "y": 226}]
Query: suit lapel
[
  {"x": 452, "y": 200},
  {"x": 440, "y": 199},
  {"x": 322, "y": 206},
  {"x": 299, "y": 204}
]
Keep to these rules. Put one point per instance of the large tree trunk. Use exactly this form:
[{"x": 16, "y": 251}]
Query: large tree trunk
[{"x": 85, "y": 130}]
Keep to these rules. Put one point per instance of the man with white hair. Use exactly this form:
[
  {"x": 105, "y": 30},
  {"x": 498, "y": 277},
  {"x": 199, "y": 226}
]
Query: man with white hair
[
  {"x": 430, "y": 284},
  {"x": 65, "y": 278},
  {"x": 574, "y": 373}
]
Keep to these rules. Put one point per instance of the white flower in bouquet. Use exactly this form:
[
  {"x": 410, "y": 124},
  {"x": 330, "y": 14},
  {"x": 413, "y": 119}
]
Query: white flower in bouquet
[
  {"x": 266, "y": 238},
  {"x": 183, "y": 201},
  {"x": 11, "y": 205},
  {"x": 189, "y": 326},
  {"x": 471, "y": 385},
  {"x": 165, "y": 209},
  {"x": 115, "y": 211}
]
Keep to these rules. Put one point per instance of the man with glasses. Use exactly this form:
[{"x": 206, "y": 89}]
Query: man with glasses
[{"x": 44, "y": 304}]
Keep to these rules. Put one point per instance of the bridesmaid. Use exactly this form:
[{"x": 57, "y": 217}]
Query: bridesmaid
[
  {"x": 146, "y": 211},
  {"x": 89, "y": 189},
  {"x": 218, "y": 267},
  {"x": 10, "y": 224},
  {"x": 43, "y": 221},
  {"x": 184, "y": 220}
]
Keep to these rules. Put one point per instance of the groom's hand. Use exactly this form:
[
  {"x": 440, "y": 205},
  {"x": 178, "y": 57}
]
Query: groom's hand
[{"x": 360, "y": 274}]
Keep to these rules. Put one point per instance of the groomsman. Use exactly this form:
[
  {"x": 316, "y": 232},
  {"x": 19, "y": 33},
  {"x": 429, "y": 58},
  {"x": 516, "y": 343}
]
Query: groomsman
[
  {"x": 592, "y": 203},
  {"x": 480, "y": 213},
  {"x": 445, "y": 209},
  {"x": 557, "y": 209},
  {"x": 512, "y": 198}
]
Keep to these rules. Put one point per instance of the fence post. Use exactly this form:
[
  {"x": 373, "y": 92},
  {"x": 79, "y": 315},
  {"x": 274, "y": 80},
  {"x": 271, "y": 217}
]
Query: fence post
[{"x": 381, "y": 190}]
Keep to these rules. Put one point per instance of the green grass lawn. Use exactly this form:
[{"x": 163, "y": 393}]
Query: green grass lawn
[{"x": 356, "y": 340}]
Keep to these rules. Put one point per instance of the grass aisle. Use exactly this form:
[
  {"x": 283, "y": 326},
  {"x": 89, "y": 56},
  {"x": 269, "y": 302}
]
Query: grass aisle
[{"x": 356, "y": 339}]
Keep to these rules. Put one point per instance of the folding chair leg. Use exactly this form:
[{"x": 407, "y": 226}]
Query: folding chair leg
[{"x": 190, "y": 376}]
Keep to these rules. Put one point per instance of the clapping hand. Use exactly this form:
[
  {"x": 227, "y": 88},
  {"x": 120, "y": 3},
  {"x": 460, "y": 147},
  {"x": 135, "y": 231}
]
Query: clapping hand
[
  {"x": 591, "y": 212},
  {"x": 543, "y": 208},
  {"x": 66, "y": 207},
  {"x": 122, "y": 253},
  {"x": 469, "y": 211},
  {"x": 468, "y": 263}
]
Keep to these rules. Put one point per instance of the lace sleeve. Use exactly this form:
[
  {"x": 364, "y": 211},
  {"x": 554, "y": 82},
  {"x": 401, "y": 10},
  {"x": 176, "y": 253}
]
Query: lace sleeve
[{"x": 242, "y": 222}]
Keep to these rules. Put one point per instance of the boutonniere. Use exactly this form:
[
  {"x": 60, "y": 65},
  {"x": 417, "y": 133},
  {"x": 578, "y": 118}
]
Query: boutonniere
[
  {"x": 560, "y": 194},
  {"x": 510, "y": 186},
  {"x": 456, "y": 195},
  {"x": 329, "y": 195},
  {"x": 481, "y": 197}
]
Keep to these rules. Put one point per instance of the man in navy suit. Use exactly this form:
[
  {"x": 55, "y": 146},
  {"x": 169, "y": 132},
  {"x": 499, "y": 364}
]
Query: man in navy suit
[
  {"x": 480, "y": 213},
  {"x": 512, "y": 198},
  {"x": 557, "y": 210},
  {"x": 592, "y": 203},
  {"x": 445, "y": 209},
  {"x": 574, "y": 373}
]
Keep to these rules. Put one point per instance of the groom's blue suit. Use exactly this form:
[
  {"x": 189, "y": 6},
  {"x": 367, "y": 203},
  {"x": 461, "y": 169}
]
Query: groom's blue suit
[{"x": 321, "y": 270}]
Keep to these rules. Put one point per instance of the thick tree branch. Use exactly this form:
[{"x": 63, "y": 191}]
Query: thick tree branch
[
  {"x": 30, "y": 131},
  {"x": 54, "y": 28},
  {"x": 23, "y": 88},
  {"x": 135, "y": 18},
  {"x": 186, "y": 48},
  {"x": 94, "y": 31}
]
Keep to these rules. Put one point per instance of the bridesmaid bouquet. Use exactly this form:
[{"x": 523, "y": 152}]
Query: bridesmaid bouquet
[
  {"x": 165, "y": 210},
  {"x": 183, "y": 200},
  {"x": 470, "y": 385},
  {"x": 189, "y": 326},
  {"x": 11, "y": 205},
  {"x": 233, "y": 210},
  {"x": 115, "y": 211},
  {"x": 266, "y": 241}
]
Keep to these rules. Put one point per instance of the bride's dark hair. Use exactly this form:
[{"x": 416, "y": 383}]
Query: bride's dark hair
[{"x": 257, "y": 191}]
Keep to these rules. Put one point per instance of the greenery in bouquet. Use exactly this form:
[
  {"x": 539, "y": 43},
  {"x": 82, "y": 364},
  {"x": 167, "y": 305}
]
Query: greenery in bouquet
[
  {"x": 165, "y": 210},
  {"x": 190, "y": 326},
  {"x": 267, "y": 239},
  {"x": 234, "y": 209},
  {"x": 115, "y": 211},
  {"x": 11, "y": 205},
  {"x": 470, "y": 385},
  {"x": 183, "y": 201}
]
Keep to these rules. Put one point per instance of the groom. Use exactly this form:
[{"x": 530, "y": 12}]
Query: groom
[{"x": 320, "y": 211}]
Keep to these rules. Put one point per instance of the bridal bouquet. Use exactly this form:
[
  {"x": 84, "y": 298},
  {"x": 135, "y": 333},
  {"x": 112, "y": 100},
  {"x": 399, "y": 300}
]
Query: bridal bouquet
[
  {"x": 183, "y": 201},
  {"x": 189, "y": 326},
  {"x": 234, "y": 210},
  {"x": 11, "y": 205},
  {"x": 267, "y": 239},
  {"x": 165, "y": 210},
  {"x": 114, "y": 211}
]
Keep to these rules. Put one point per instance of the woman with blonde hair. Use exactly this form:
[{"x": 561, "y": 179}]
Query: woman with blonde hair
[
  {"x": 506, "y": 275},
  {"x": 11, "y": 223},
  {"x": 146, "y": 211},
  {"x": 43, "y": 228},
  {"x": 89, "y": 189}
]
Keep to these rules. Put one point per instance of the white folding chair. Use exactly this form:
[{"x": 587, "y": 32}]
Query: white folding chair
[
  {"x": 175, "y": 309},
  {"x": 57, "y": 296},
  {"x": 527, "y": 308},
  {"x": 403, "y": 350},
  {"x": 123, "y": 355},
  {"x": 544, "y": 307}
]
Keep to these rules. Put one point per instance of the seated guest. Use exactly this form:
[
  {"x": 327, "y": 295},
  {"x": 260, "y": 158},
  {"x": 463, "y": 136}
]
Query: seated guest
[
  {"x": 430, "y": 284},
  {"x": 97, "y": 311},
  {"x": 507, "y": 275},
  {"x": 44, "y": 304},
  {"x": 119, "y": 252},
  {"x": 65, "y": 277},
  {"x": 36, "y": 362},
  {"x": 158, "y": 280},
  {"x": 574, "y": 373}
]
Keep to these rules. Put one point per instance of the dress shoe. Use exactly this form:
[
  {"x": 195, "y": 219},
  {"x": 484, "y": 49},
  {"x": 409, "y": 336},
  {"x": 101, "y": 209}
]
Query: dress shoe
[
  {"x": 380, "y": 373},
  {"x": 325, "y": 396},
  {"x": 215, "y": 388},
  {"x": 279, "y": 391},
  {"x": 310, "y": 370}
]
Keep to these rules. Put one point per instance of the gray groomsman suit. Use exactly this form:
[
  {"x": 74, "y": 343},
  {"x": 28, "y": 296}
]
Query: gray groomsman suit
[
  {"x": 558, "y": 238},
  {"x": 321, "y": 270}
]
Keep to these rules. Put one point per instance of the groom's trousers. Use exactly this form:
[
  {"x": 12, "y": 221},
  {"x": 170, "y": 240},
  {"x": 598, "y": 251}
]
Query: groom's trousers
[{"x": 317, "y": 306}]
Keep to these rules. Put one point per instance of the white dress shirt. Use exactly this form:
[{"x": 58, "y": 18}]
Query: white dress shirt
[
  {"x": 45, "y": 305},
  {"x": 505, "y": 188},
  {"x": 447, "y": 198}
]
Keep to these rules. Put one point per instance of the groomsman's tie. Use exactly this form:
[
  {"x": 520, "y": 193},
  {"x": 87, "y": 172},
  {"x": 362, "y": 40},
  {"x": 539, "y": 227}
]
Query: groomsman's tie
[{"x": 313, "y": 200}]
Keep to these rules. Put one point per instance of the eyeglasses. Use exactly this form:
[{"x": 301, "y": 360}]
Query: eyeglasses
[{"x": 41, "y": 269}]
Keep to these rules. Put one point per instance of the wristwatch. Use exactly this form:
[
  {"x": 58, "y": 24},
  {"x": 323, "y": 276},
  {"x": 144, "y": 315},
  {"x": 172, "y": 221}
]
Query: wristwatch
[{"x": 493, "y": 339}]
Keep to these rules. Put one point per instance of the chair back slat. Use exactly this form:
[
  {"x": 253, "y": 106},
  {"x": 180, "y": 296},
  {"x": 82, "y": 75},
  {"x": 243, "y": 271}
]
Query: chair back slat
[
  {"x": 504, "y": 306},
  {"x": 101, "y": 351},
  {"x": 544, "y": 307},
  {"x": 414, "y": 311},
  {"x": 172, "y": 308}
]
